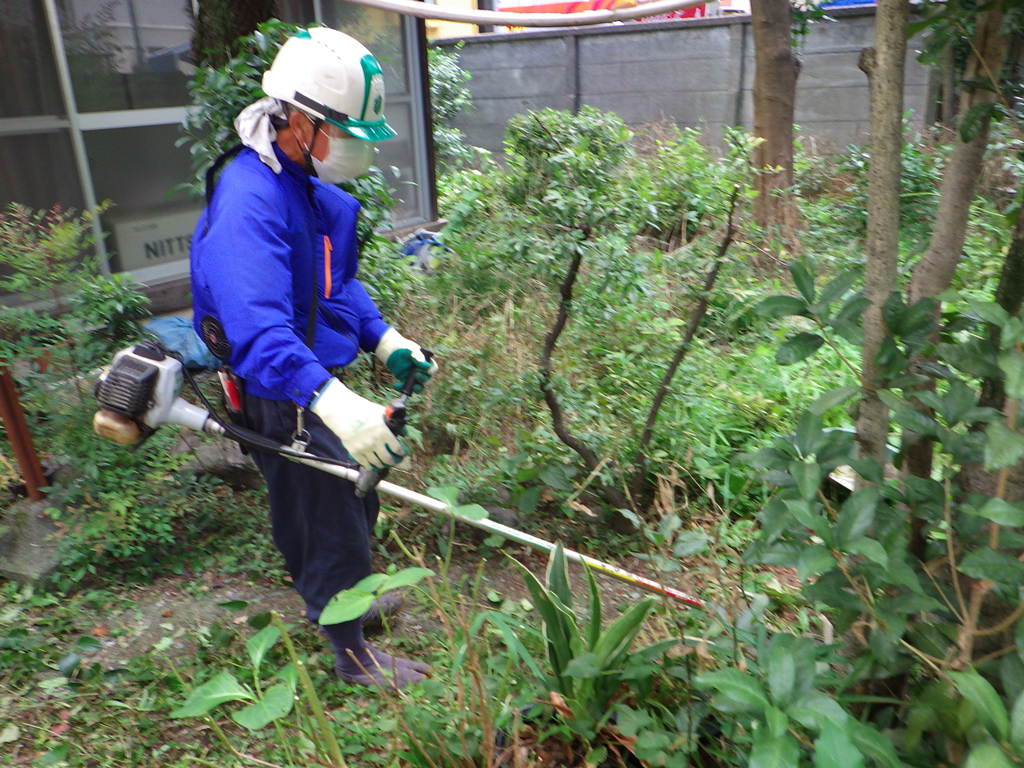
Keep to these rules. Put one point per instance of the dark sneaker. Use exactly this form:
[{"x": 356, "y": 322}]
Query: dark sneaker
[{"x": 387, "y": 606}]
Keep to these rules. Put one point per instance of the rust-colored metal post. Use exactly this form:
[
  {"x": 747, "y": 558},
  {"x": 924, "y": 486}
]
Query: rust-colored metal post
[{"x": 21, "y": 441}]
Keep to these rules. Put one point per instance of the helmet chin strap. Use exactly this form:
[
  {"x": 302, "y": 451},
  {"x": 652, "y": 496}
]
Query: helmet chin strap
[{"x": 307, "y": 152}]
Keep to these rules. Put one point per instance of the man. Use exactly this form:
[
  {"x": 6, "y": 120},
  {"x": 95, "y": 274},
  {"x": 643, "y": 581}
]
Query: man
[{"x": 276, "y": 246}]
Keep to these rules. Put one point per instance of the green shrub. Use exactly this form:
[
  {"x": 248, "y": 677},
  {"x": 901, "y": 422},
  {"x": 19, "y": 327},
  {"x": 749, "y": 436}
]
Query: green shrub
[{"x": 448, "y": 97}]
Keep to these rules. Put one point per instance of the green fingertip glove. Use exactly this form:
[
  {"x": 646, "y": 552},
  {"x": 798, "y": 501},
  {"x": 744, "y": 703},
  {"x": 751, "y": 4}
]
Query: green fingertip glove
[{"x": 404, "y": 357}]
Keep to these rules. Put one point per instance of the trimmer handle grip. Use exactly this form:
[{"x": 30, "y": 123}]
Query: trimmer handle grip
[
  {"x": 396, "y": 417},
  {"x": 368, "y": 479}
]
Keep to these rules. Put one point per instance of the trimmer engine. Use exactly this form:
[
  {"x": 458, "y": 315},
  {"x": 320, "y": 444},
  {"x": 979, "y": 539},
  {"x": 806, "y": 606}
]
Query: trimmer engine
[{"x": 139, "y": 392}]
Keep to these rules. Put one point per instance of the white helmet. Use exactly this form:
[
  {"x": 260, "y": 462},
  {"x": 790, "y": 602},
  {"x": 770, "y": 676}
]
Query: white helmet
[{"x": 332, "y": 76}]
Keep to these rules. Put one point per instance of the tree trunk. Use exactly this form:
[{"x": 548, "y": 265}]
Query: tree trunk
[
  {"x": 949, "y": 85},
  {"x": 221, "y": 22},
  {"x": 934, "y": 272},
  {"x": 774, "y": 104},
  {"x": 1010, "y": 296},
  {"x": 884, "y": 65}
]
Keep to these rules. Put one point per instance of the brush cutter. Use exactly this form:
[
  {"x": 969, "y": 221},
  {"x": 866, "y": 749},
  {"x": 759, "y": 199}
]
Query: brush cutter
[{"x": 140, "y": 392}]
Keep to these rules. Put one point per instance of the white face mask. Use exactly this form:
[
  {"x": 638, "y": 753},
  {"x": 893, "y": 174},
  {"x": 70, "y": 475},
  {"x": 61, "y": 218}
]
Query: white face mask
[{"x": 346, "y": 159}]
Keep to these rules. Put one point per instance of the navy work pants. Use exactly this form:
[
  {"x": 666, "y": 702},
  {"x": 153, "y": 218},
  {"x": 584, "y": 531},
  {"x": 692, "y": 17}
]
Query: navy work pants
[{"x": 319, "y": 525}]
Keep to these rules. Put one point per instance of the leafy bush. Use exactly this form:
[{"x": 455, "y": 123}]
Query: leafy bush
[
  {"x": 448, "y": 97},
  {"x": 87, "y": 314},
  {"x": 128, "y": 513},
  {"x": 922, "y": 161},
  {"x": 220, "y": 93},
  {"x": 921, "y": 574}
]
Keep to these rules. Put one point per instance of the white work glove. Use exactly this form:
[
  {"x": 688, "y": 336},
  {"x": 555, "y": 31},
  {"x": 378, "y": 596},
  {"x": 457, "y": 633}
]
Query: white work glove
[
  {"x": 360, "y": 425},
  {"x": 402, "y": 356}
]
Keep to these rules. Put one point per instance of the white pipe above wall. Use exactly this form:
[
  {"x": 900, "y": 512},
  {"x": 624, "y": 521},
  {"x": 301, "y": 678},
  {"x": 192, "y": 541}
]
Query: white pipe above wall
[{"x": 506, "y": 19}]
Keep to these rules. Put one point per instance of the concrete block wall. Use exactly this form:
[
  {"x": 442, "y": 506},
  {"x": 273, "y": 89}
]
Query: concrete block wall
[{"x": 698, "y": 73}]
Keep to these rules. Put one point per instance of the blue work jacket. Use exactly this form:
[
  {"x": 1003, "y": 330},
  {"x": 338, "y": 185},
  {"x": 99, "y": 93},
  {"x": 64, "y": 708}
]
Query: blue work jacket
[{"x": 254, "y": 254}]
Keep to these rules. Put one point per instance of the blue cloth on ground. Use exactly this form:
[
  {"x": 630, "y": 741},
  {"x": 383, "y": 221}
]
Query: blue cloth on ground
[{"x": 178, "y": 335}]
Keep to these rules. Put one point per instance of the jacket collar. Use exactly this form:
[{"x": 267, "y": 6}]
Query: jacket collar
[{"x": 290, "y": 169}]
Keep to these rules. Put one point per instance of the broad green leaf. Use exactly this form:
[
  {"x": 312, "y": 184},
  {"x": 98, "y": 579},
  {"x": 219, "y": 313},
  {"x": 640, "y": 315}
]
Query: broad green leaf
[
  {"x": 557, "y": 576},
  {"x": 1002, "y": 512},
  {"x": 780, "y": 306},
  {"x": 1005, "y": 446},
  {"x": 805, "y": 514},
  {"x": 781, "y": 670},
  {"x": 1012, "y": 363},
  {"x": 615, "y": 640},
  {"x": 917, "y": 318},
  {"x": 972, "y": 123},
  {"x": 919, "y": 721},
  {"x": 796, "y": 348},
  {"x": 68, "y": 664},
  {"x": 87, "y": 644},
  {"x": 778, "y": 722},
  {"x": 988, "y": 756},
  {"x": 260, "y": 643},
  {"x": 595, "y": 757},
  {"x": 807, "y": 476},
  {"x": 233, "y": 605},
  {"x": 838, "y": 286},
  {"x": 814, "y": 709},
  {"x": 584, "y": 667},
  {"x": 873, "y": 745},
  {"x": 832, "y": 398},
  {"x": 808, "y": 433},
  {"x": 869, "y": 469},
  {"x": 987, "y": 563},
  {"x": 771, "y": 752},
  {"x": 833, "y": 749},
  {"x": 407, "y": 577},
  {"x": 976, "y": 358},
  {"x": 275, "y": 704},
  {"x": 347, "y": 606},
  {"x": 803, "y": 279},
  {"x": 990, "y": 312},
  {"x": 871, "y": 549},
  {"x": 470, "y": 511},
  {"x": 986, "y": 702},
  {"x": 958, "y": 401},
  {"x": 1013, "y": 331},
  {"x": 1017, "y": 724},
  {"x": 222, "y": 688},
  {"x": 10, "y": 733},
  {"x": 735, "y": 685},
  {"x": 55, "y": 756},
  {"x": 856, "y": 516},
  {"x": 593, "y": 633},
  {"x": 814, "y": 561},
  {"x": 852, "y": 310},
  {"x": 371, "y": 583},
  {"x": 908, "y": 417},
  {"x": 449, "y": 494},
  {"x": 689, "y": 543},
  {"x": 289, "y": 674}
]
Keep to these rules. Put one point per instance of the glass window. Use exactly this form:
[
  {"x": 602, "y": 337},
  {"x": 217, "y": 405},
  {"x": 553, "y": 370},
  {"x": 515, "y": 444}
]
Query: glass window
[
  {"x": 296, "y": 11},
  {"x": 381, "y": 32},
  {"x": 127, "y": 54},
  {"x": 387, "y": 36},
  {"x": 30, "y": 85},
  {"x": 138, "y": 169},
  {"x": 39, "y": 170},
  {"x": 399, "y": 154}
]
